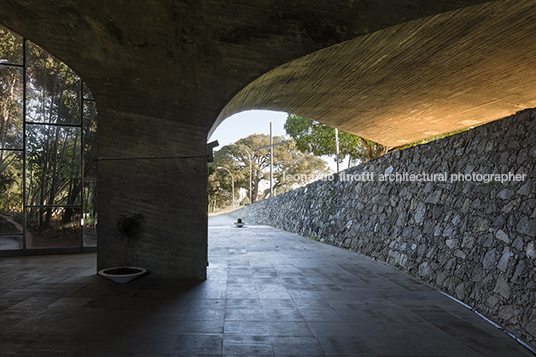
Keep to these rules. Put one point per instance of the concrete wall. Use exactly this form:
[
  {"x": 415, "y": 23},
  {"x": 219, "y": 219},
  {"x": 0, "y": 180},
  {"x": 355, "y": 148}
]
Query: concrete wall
[
  {"x": 170, "y": 192},
  {"x": 471, "y": 239}
]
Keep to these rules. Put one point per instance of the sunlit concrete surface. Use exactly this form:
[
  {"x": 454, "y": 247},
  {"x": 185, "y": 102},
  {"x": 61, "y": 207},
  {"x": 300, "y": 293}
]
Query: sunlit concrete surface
[{"x": 268, "y": 293}]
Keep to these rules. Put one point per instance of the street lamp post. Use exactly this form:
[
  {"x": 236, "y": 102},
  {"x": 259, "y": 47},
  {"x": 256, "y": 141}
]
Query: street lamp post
[
  {"x": 249, "y": 156},
  {"x": 271, "y": 159},
  {"x": 232, "y": 182},
  {"x": 337, "y": 147},
  {"x": 271, "y": 156}
]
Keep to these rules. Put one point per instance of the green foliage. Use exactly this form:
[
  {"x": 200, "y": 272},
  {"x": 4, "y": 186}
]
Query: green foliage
[
  {"x": 128, "y": 228},
  {"x": 318, "y": 139},
  {"x": 10, "y": 192},
  {"x": 287, "y": 160},
  {"x": 11, "y": 88},
  {"x": 10, "y": 46},
  {"x": 52, "y": 153},
  {"x": 53, "y": 89},
  {"x": 6, "y": 180},
  {"x": 239, "y": 220}
]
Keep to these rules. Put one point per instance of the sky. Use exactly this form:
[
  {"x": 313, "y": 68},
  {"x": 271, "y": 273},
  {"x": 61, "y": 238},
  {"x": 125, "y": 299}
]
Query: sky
[{"x": 244, "y": 124}]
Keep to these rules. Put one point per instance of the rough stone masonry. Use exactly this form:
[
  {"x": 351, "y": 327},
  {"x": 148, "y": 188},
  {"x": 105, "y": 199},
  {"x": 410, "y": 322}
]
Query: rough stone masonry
[{"x": 458, "y": 213}]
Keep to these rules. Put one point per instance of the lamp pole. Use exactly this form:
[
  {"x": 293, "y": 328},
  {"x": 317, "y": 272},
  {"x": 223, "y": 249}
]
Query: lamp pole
[
  {"x": 337, "y": 146},
  {"x": 232, "y": 182},
  {"x": 249, "y": 156},
  {"x": 271, "y": 159},
  {"x": 271, "y": 146}
]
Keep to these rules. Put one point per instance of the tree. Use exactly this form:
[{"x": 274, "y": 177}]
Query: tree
[
  {"x": 319, "y": 139},
  {"x": 53, "y": 151},
  {"x": 219, "y": 187},
  {"x": 56, "y": 121},
  {"x": 288, "y": 160},
  {"x": 11, "y": 104}
]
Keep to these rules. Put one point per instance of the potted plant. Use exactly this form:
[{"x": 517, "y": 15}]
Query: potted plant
[
  {"x": 128, "y": 229},
  {"x": 239, "y": 223}
]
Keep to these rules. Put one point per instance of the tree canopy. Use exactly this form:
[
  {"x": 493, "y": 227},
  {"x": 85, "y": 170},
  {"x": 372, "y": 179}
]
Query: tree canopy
[
  {"x": 47, "y": 136},
  {"x": 287, "y": 161},
  {"x": 319, "y": 139}
]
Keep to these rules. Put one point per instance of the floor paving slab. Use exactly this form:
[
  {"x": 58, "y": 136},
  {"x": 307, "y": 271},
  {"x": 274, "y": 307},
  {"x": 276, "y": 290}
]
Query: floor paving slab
[{"x": 268, "y": 293}]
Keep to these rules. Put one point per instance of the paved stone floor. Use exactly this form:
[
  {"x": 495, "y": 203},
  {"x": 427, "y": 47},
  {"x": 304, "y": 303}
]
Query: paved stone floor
[{"x": 269, "y": 293}]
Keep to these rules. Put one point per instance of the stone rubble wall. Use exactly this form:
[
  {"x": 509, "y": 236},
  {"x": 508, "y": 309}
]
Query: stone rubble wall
[{"x": 472, "y": 240}]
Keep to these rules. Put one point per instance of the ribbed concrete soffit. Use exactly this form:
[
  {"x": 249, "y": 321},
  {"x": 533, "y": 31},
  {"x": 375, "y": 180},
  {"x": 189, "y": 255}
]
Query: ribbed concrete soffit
[
  {"x": 414, "y": 80},
  {"x": 184, "y": 60}
]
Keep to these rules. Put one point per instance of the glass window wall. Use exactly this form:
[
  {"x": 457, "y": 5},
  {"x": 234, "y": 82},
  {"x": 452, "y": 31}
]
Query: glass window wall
[{"x": 48, "y": 146}]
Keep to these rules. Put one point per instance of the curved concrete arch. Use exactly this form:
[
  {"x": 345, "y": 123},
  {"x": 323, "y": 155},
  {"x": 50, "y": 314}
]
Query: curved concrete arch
[
  {"x": 162, "y": 71},
  {"x": 184, "y": 60},
  {"x": 414, "y": 80}
]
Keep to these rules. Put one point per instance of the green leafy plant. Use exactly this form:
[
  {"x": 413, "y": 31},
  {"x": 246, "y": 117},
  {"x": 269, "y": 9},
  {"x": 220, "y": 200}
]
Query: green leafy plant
[
  {"x": 128, "y": 228},
  {"x": 239, "y": 220}
]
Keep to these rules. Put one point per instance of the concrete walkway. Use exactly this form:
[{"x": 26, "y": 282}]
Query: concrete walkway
[{"x": 269, "y": 293}]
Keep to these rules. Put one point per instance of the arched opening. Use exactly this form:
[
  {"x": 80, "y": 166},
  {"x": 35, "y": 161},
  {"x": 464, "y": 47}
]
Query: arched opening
[
  {"x": 243, "y": 179},
  {"x": 411, "y": 81},
  {"x": 48, "y": 138}
]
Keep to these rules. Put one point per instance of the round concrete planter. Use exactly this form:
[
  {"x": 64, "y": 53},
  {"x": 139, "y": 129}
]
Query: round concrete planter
[
  {"x": 239, "y": 225},
  {"x": 122, "y": 278}
]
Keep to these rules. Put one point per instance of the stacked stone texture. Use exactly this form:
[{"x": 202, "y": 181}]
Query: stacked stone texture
[{"x": 470, "y": 239}]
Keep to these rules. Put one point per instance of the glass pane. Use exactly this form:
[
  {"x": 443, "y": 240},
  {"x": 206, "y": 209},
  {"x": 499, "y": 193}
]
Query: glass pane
[
  {"x": 10, "y": 200},
  {"x": 11, "y": 183},
  {"x": 90, "y": 214},
  {"x": 10, "y": 47},
  {"x": 52, "y": 89},
  {"x": 87, "y": 93},
  {"x": 11, "y": 89},
  {"x": 52, "y": 165},
  {"x": 90, "y": 139},
  {"x": 53, "y": 227},
  {"x": 11, "y": 241}
]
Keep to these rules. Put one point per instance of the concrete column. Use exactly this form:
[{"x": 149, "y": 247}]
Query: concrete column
[{"x": 170, "y": 192}]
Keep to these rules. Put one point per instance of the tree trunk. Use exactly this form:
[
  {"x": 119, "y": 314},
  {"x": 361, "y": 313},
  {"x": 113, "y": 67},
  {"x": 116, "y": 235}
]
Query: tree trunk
[
  {"x": 74, "y": 189},
  {"x": 54, "y": 186},
  {"x": 43, "y": 181},
  {"x": 57, "y": 95}
]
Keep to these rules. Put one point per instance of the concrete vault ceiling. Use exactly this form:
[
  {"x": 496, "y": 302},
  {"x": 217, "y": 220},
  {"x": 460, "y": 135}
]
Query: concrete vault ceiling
[
  {"x": 414, "y": 80},
  {"x": 393, "y": 71}
]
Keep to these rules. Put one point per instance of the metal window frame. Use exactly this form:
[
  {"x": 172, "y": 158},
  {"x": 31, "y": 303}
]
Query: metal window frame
[{"x": 25, "y": 207}]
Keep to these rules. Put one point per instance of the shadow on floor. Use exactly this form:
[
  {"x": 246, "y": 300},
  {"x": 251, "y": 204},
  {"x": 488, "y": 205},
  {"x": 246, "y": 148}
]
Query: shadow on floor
[{"x": 269, "y": 293}]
